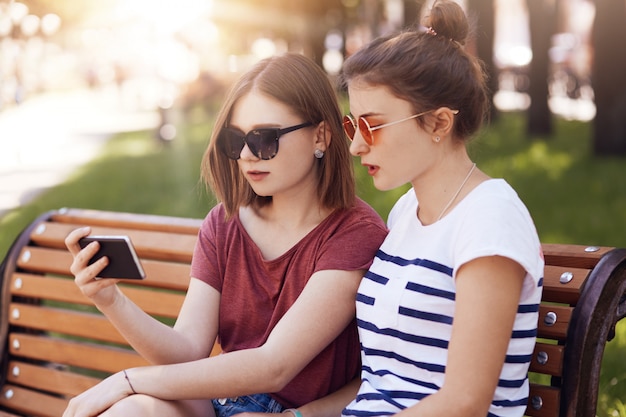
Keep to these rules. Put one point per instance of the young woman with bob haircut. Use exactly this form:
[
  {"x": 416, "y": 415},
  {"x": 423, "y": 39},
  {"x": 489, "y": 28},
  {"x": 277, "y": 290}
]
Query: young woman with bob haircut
[{"x": 275, "y": 270}]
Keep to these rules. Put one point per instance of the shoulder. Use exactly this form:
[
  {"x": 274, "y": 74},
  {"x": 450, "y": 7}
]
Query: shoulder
[
  {"x": 495, "y": 221},
  {"x": 361, "y": 213},
  {"x": 215, "y": 221},
  {"x": 357, "y": 223},
  {"x": 496, "y": 201}
]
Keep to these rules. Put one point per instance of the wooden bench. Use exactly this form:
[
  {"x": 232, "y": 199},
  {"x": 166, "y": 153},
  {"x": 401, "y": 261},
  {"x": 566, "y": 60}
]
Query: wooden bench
[{"x": 56, "y": 344}]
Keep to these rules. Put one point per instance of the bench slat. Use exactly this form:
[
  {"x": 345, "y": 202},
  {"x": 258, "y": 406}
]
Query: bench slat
[
  {"x": 49, "y": 379},
  {"x": 49, "y": 288},
  {"x": 32, "y": 403},
  {"x": 558, "y": 330},
  {"x": 48, "y": 261},
  {"x": 550, "y": 401},
  {"x": 68, "y": 352},
  {"x": 553, "y": 356},
  {"x": 5, "y": 414},
  {"x": 567, "y": 293},
  {"x": 163, "y": 304},
  {"x": 170, "y": 275},
  {"x": 68, "y": 322},
  {"x": 128, "y": 220},
  {"x": 573, "y": 256},
  {"x": 148, "y": 244}
]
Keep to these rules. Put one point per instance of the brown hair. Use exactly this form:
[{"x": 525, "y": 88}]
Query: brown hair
[
  {"x": 304, "y": 87},
  {"x": 429, "y": 69}
]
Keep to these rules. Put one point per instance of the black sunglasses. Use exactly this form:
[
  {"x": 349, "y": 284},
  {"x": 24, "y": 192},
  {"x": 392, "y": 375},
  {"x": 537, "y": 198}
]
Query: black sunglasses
[{"x": 263, "y": 142}]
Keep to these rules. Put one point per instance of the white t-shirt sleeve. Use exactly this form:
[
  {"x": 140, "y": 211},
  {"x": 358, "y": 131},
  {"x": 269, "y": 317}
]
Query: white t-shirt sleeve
[{"x": 497, "y": 226}]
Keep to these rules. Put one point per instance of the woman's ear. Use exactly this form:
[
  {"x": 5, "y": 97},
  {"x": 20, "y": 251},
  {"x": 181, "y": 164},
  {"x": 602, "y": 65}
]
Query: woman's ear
[
  {"x": 443, "y": 121},
  {"x": 323, "y": 136}
]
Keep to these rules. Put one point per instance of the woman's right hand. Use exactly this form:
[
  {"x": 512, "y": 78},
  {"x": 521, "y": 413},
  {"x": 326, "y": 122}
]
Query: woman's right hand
[{"x": 103, "y": 292}]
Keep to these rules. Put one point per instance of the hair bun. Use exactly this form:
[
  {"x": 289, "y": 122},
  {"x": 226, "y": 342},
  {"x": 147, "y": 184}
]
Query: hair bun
[{"x": 447, "y": 19}]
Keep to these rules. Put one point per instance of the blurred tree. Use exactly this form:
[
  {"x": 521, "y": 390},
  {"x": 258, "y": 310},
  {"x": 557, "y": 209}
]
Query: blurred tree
[
  {"x": 608, "y": 81},
  {"x": 482, "y": 14},
  {"x": 320, "y": 16},
  {"x": 413, "y": 12},
  {"x": 542, "y": 18}
]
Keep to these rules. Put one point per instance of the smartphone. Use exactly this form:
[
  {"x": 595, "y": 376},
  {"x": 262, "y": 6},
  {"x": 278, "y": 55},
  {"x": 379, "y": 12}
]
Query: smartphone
[{"x": 123, "y": 260}]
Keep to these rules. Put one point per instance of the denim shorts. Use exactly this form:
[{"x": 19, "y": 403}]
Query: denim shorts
[{"x": 257, "y": 403}]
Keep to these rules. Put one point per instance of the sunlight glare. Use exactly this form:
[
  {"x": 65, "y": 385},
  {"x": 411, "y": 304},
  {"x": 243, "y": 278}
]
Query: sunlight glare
[{"x": 168, "y": 16}]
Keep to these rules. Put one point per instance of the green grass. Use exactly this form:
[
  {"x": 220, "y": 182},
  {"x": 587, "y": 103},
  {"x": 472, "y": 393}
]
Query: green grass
[
  {"x": 134, "y": 173},
  {"x": 572, "y": 196}
]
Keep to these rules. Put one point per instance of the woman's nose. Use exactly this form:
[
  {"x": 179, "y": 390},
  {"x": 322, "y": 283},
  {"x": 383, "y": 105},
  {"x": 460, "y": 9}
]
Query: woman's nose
[
  {"x": 246, "y": 153},
  {"x": 357, "y": 145}
]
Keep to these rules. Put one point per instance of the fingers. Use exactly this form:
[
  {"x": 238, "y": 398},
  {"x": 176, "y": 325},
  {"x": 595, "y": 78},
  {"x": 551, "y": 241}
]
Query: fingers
[
  {"x": 71, "y": 241},
  {"x": 81, "y": 267},
  {"x": 101, "y": 291}
]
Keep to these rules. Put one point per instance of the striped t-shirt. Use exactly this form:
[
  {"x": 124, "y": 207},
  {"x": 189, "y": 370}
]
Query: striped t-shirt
[{"x": 406, "y": 301}]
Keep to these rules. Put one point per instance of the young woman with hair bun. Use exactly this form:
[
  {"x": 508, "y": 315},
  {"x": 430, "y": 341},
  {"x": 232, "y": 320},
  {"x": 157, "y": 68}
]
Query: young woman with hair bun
[{"x": 447, "y": 313}]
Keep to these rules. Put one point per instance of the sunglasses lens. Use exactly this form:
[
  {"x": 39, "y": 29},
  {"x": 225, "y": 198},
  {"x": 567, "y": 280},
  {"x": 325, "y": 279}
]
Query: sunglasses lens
[
  {"x": 349, "y": 127},
  {"x": 230, "y": 142},
  {"x": 364, "y": 128},
  {"x": 263, "y": 143}
]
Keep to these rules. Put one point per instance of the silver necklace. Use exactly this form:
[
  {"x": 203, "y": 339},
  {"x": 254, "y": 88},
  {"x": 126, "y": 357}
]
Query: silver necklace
[{"x": 457, "y": 192}]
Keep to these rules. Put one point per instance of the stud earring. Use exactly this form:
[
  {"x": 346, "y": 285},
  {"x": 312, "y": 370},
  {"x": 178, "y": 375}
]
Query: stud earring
[
  {"x": 319, "y": 154},
  {"x": 437, "y": 139}
]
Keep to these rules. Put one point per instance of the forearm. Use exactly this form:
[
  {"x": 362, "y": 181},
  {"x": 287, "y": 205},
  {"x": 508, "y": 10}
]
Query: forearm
[
  {"x": 155, "y": 341},
  {"x": 228, "y": 375}
]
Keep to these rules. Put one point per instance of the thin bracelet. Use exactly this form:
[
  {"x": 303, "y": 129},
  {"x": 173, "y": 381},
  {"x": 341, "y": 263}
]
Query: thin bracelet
[
  {"x": 135, "y": 392},
  {"x": 294, "y": 411}
]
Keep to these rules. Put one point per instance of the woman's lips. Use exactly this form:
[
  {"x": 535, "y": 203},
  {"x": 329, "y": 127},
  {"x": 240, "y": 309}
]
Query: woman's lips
[
  {"x": 371, "y": 169},
  {"x": 256, "y": 175}
]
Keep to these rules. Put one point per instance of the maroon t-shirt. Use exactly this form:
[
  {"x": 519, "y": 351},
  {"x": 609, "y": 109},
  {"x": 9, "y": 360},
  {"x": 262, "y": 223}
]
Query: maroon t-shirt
[{"x": 256, "y": 293}]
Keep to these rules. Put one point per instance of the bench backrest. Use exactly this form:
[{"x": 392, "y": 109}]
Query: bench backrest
[
  {"x": 583, "y": 299},
  {"x": 56, "y": 344}
]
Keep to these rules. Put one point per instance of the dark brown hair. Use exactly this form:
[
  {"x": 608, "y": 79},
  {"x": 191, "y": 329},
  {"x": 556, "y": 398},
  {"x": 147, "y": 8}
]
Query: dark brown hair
[
  {"x": 429, "y": 69},
  {"x": 304, "y": 87}
]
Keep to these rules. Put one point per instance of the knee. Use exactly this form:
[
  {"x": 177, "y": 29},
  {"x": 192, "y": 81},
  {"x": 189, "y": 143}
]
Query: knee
[
  {"x": 140, "y": 405},
  {"x": 134, "y": 405}
]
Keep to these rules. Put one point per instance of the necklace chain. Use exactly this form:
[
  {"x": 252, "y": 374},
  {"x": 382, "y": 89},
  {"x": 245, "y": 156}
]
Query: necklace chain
[{"x": 469, "y": 174}]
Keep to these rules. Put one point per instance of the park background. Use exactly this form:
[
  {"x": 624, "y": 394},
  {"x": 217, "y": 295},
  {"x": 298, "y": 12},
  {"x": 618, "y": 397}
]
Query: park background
[{"x": 557, "y": 132}]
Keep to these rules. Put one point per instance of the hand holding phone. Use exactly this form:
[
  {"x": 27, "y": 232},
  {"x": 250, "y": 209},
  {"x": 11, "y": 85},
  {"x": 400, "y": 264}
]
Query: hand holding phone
[{"x": 123, "y": 260}]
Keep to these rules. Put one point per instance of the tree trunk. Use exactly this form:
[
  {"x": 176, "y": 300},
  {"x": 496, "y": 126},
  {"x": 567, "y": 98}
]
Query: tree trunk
[
  {"x": 482, "y": 12},
  {"x": 541, "y": 19},
  {"x": 608, "y": 78},
  {"x": 413, "y": 12}
]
